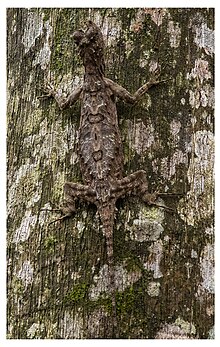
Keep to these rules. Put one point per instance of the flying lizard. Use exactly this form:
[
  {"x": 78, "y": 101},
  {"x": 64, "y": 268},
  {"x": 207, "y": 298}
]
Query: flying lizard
[{"x": 100, "y": 147}]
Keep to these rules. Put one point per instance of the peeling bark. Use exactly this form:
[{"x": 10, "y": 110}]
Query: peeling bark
[{"x": 58, "y": 285}]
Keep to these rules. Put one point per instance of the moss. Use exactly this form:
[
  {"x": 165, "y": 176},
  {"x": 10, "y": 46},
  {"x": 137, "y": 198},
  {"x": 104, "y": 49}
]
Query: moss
[
  {"x": 32, "y": 125},
  {"x": 179, "y": 79},
  {"x": 62, "y": 55},
  {"x": 125, "y": 301},
  {"x": 105, "y": 302},
  {"x": 50, "y": 243},
  {"x": 77, "y": 295},
  {"x": 46, "y": 14},
  {"x": 128, "y": 153},
  {"x": 18, "y": 287},
  {"x": 57, "y": 189},
  {"x": 133, "y": 264}
]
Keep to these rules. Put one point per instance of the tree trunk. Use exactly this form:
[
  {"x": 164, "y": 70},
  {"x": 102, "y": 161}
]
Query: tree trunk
[{"x": 57, "y": 282}]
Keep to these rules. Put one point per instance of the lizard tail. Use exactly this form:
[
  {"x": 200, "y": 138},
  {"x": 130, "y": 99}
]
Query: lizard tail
[{"x": 107, "y": 219}]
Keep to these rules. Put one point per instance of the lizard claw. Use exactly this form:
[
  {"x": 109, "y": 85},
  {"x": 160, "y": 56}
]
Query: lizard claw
[
  {"x": 168, "y": 195},
  {"x": 67, "y": 210},
  {"x": 155, "y": 73},
  {"x": 150, "y": 199},
  {"x": 60, "y": 218},
  {"x": 49, "y": 91}
]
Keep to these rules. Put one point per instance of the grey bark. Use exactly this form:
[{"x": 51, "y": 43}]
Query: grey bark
[{"x": 57, "y": 275}]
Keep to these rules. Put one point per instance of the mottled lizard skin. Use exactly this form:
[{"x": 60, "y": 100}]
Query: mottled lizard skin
[{"x": 100, "y": 146}]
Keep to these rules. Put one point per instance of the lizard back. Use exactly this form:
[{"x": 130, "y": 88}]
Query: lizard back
[{"x": 100, "y": 147}]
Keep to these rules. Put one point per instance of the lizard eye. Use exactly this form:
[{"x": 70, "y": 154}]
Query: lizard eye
[
  {"x": 78, "y": 36},
  {"x": 90, "y": 33}
]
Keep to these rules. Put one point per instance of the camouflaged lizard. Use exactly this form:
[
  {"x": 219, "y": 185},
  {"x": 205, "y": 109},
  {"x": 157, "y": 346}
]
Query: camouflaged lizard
[{"x": 100, "y": 145}]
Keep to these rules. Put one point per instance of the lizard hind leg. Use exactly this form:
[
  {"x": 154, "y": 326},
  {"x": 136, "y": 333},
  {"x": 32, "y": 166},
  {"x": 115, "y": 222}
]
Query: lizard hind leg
[
  {"x": 136, "y": 184},
  {"x": 73, "y": 191}
]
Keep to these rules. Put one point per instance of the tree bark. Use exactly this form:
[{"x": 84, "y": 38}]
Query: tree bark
[{"x": 57, "y": 281}]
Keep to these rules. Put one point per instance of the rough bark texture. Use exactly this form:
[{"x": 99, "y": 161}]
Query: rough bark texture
[{"x": 57, "y": 282}]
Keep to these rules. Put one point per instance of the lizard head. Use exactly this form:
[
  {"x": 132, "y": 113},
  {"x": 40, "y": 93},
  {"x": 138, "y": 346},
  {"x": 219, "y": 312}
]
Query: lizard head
[{"x": 91, "y": 47}]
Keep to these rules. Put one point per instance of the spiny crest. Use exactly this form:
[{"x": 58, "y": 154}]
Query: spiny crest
[{"x": 91, "y": 46}]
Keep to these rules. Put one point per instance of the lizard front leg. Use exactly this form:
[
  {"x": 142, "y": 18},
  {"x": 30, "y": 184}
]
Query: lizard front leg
[
  {"x": 63, "y": 102},
  {"x": 125, "y": 95}
]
